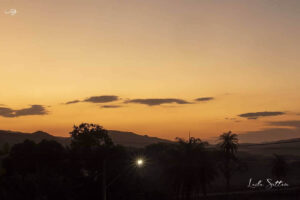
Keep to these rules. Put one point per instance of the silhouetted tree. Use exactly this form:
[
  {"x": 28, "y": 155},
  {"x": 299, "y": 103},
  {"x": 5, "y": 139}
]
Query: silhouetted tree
[
  {"x": 229, "y": 143},
  {"x": 98, "y": 155},
  {"x": 279, "y": 167},
  {"x": 228, "y": 165},
  {"x": 5, "y": 149},
  {"x": 22, "y": 158},
  {"x": 89, "y": 136},
  {"x": 3, "y": 152},
  {"x": 92, "y": 145},
  {"x": 189, "y": 168},
  {"x": 35, "y": 171}
]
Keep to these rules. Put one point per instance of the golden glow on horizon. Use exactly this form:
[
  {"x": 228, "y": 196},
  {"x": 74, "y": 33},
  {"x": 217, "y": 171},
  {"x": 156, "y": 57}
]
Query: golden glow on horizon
[{"x": 244, "y": 54}]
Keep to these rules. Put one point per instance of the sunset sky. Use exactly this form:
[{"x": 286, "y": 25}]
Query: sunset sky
[{"x": 156, "y": 67}]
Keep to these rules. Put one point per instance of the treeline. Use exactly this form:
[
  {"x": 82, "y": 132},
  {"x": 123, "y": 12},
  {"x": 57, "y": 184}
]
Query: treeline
[{"x": 93, "y": 167}]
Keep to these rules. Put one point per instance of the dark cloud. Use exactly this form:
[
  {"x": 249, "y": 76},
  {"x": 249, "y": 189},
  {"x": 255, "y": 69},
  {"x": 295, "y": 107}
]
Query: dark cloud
[
  {"x": 256, "y": 115},
  {"x": 33, "y": 110},
  {"x": 203, "y": 99},
  {"x": 102, "y": 99},
  {"x": 111, "y": 106},
  {"x": 72, "y": 102},
  {"x": 155, "y": 102},
  {"x": 6, "y": 112},
  {"x": 96, "y": 99}
]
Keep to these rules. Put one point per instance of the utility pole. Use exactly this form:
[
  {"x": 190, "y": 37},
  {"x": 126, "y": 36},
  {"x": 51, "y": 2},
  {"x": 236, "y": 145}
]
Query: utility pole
[{"x": 104, "y": 180}]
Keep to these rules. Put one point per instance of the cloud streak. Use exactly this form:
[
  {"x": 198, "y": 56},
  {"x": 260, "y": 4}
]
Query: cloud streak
[
  {"x": 111, "y": 106},
  {"x": 256, "y": 115},
  {"x": 33, "y": 110},
  {"x": 72, "y": 102},
  {"x": 232, "y": 119},
  {"x": 204, "y": 99},
  {"x": 156, "y": 102},
  {"x": 290, "y": 123}
]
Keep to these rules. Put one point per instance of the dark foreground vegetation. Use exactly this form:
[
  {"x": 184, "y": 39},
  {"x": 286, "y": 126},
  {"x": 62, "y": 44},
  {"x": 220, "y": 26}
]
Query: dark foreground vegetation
[{"x": 92, "y": 167}]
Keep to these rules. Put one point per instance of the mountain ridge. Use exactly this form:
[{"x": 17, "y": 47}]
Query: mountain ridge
[
  {"x": 119, "y": 137},
  {"x": 130, "y": 139}
]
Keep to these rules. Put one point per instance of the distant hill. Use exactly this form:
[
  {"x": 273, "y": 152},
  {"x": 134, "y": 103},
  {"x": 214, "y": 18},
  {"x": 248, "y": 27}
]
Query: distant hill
[
  {"x": 119, "y": 137},
  {"x": 12, "y": 137},
  {"x": 281, "y": 147},
  {"x": 133, "y": 139}
]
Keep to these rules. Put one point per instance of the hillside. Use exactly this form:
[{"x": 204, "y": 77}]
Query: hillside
[
  {"x": 281, "y": 147},
  {"x": 12, "y": 137},
  {"x": 133, "y": 139},
  {"x": 119, "y": 137}
]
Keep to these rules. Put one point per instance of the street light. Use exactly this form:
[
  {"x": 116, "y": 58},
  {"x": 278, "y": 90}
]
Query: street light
[{"x": 139, "y": 162}]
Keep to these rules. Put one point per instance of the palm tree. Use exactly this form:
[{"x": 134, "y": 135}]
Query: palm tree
[
  {"x": 229, "y": 143},
  {"x": 228, "y": 146},
  {"x": 189, "y": 168}
]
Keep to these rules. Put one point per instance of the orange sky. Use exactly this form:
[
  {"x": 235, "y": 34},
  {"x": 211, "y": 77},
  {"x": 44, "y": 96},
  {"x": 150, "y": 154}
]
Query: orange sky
[{"x": 244, "y": 54}]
